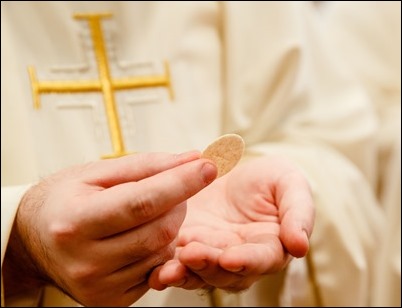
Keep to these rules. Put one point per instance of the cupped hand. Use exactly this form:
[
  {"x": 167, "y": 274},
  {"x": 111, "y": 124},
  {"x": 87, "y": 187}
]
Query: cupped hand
[
  {"x": 97, "y": 230},
  {"x": 247, "y": 224}
]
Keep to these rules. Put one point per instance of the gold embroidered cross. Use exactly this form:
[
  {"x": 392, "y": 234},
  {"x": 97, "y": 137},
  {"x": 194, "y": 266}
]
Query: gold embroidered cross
[{"x": 105, "y": 84}]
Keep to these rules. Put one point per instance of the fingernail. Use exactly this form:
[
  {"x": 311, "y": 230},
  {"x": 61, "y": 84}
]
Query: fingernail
[
  {"x": 179, "y": 283},
  {"x": 306, "y": 234},
  {"x": 199, "y": 266},
  {"x": 209, "y": 172},
  {"x": 236, "y": 269},
  {"x": 304, "y": 249}
]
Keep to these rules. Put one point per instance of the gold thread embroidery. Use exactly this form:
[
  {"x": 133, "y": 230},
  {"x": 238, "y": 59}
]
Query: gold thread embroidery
[{"x": 105, "y": 84}]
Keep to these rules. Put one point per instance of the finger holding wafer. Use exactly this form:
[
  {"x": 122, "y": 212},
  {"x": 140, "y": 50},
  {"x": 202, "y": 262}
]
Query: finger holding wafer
[{"x": 226, "y": 151}]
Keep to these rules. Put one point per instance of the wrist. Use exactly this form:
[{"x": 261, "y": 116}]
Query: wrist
[{"x": 21, "y": 274}]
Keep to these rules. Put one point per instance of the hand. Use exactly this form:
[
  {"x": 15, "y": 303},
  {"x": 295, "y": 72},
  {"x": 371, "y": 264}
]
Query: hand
[
  {"x": 96, "y": 231},
  {"x": 246, "y": 224}
]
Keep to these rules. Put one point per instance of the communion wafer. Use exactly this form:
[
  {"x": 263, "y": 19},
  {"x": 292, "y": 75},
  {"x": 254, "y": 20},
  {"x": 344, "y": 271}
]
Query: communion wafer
[{"x": 225, "y": 152}]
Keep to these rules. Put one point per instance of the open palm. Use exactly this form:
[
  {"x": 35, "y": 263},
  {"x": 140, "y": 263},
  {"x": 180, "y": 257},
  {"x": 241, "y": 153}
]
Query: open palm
[{"x": 244, "y": 225}]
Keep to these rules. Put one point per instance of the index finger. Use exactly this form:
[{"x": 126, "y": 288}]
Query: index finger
[{"x": 134, "y": 167}]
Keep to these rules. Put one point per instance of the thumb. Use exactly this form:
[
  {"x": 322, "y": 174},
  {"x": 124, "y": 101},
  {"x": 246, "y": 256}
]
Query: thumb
[{"x": 297, "y": 214}]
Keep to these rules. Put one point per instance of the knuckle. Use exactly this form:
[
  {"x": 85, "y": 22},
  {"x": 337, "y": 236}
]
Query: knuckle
[
  {"x": 138, "y": 250},
  {"x": 167, "y": 253},
  {"x": 143, "y": 208},
  {"x": 83, "y": 275},
  {"x": 166, "y": 234},
  {"x": 62, "y": 232}
]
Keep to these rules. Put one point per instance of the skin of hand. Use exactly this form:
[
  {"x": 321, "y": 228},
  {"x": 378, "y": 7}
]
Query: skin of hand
[
  {"x": 97, "y": 230},
  {"x": 247, "y": 224}
]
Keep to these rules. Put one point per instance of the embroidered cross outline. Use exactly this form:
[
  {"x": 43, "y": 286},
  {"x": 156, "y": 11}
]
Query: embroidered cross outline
[{"x": 105, "y": 84}]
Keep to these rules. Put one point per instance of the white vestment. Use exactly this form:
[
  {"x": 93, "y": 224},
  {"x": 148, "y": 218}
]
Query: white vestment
[
  {"x": 261, "y": 70},
  {"x": 368, "y": 36}
]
